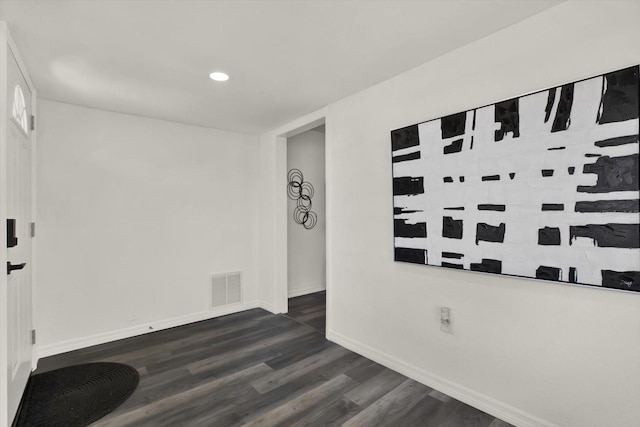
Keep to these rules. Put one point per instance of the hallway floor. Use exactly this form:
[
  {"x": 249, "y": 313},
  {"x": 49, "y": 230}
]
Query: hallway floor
[
  {"x": 255, "y": 368},
  {"x": 310, "y": 309}
]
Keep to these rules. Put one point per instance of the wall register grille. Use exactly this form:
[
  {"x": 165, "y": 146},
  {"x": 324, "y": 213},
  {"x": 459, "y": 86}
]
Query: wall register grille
[{"x": 226, "y": 288}]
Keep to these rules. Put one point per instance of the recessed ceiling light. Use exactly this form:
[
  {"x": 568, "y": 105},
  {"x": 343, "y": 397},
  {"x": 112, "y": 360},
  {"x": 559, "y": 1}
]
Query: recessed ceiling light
[{"x": 219, "y": 76}]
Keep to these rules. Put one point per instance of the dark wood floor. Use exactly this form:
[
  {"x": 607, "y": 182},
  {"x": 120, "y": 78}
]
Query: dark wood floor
[
  {"x": 259, "y": 369},
  {"x": 310, "y": 309}
]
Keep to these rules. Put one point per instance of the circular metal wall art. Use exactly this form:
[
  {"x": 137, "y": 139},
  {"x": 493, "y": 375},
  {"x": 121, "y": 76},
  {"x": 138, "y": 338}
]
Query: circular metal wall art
[{"x": 301, "y": 192}]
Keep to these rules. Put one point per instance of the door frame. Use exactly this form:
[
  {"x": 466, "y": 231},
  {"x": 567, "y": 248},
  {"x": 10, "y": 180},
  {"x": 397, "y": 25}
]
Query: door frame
[
  {"x": 280, "y": 249},
  {"x": 7, "y": 44}
]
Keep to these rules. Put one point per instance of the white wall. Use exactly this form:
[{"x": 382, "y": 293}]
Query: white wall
[
  {"x": 531, "y": 352},
  {"x": 306, "y": 265},
  {"x": 134, "y": 215}
]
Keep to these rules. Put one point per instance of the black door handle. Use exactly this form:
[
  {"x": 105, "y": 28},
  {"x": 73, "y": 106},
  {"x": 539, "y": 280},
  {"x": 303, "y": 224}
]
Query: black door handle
[{"x": 11, "y": 267}]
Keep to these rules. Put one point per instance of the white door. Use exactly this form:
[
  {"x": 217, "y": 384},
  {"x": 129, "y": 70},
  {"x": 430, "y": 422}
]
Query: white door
[{"x": 19, "y": 218}]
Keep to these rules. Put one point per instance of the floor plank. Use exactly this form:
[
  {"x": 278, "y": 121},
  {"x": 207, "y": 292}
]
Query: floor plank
[
  {"x": 390, "y": 408},
  {"x": 298, "y": 369},
  {"x": 374, "y": 388},
  {"x": 467, "y": 416},
  {"x": 259, "y": 369},
  {"x": 310, "y": 309},
  {"x": 322, "y": 395}
]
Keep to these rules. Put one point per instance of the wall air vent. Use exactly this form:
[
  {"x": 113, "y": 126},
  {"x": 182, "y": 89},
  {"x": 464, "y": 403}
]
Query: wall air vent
[{"x": 226, "y": 288}]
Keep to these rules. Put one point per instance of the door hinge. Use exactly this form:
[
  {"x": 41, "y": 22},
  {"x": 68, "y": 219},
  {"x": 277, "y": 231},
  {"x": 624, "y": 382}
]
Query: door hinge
[
  {"x": 32, "y": 229},
  {"x": 33, "y": 122},
  {"x": 33, "y": 336}
]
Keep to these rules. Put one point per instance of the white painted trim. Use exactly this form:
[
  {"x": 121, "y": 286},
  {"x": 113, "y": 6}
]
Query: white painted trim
[
  {"x": 329, "y": 214},
  {"x": 280, "y": 248},
  {"x": 4, "y": 380},
  {"x": 16, "y": 53},
  {"x": 464, "y": 394},
  {"x": 145, "y": 328},
  {"x": 267, "y": 306},
  {"x": 306, "y": 291},
  {"x": 279, "y": 140},
  {"x": 302, "y": 124}
]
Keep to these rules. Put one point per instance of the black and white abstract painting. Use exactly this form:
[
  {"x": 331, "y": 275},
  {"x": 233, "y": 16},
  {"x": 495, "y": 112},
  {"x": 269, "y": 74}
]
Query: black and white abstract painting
[{"x": 542, "y": 186}]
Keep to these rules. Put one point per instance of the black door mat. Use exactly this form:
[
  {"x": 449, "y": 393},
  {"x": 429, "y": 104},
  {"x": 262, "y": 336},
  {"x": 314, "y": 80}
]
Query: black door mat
[{"x": 77, "y": 395}]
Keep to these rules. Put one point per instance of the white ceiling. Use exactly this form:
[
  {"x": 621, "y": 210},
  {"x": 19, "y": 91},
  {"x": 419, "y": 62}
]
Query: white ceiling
[{"x": 286, "y": 58}]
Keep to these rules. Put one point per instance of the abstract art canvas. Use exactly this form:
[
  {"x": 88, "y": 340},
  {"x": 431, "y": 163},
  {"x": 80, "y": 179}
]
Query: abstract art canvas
[{"x": 542, "y": 186}]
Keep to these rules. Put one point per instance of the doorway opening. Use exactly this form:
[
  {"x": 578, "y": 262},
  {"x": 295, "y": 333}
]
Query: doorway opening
[{"x": 306, "y": 228}]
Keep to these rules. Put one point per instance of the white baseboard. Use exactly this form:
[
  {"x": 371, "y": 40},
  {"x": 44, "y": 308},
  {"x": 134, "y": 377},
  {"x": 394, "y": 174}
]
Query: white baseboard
[
  {"x": 471, "y": 397},
  {"x": 304, "y": 291},
  {"x": 267, "y": 306},
  {"x": 78, "y": 343}
]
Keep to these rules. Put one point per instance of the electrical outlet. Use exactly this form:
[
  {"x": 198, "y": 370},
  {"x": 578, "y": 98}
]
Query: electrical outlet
[{"x": 446, "y": 324}]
